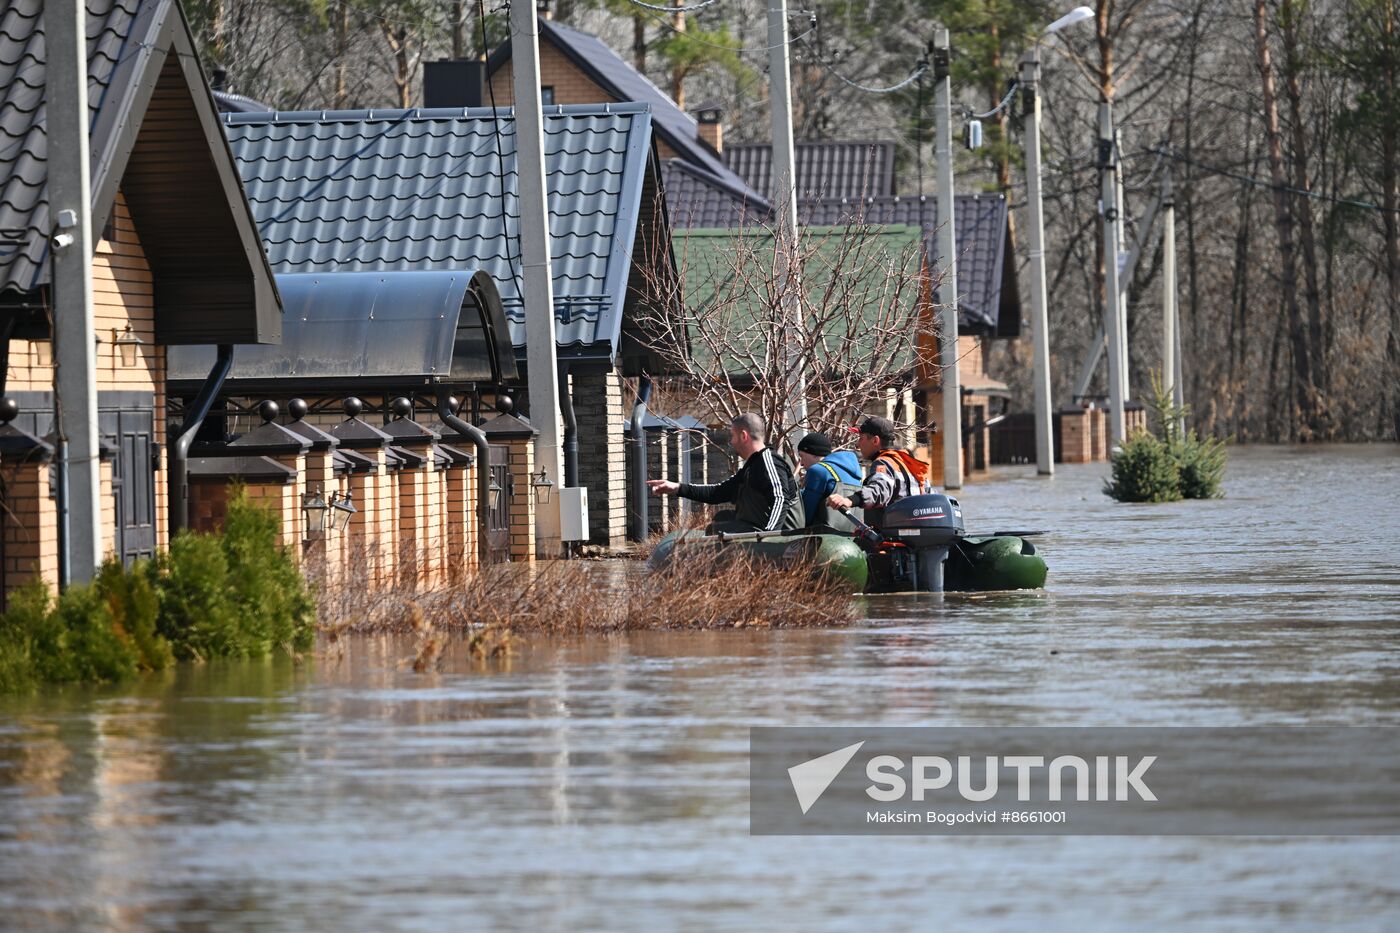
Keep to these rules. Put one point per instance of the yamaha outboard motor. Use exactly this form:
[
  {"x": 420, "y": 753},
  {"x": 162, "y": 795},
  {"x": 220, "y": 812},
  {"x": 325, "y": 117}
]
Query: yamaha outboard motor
[{"x": 928, "y": 526}]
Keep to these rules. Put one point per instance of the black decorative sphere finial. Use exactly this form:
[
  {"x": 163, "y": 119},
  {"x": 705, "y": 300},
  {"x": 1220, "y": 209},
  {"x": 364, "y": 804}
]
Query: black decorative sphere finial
[
  {"x": 298, "y": 408},
  {"x": 9, "y": 410},
  {"x": 505, "y": 404},
  {"x": 268, "y": 411},
  {"x": 401, "y": 407},
  {"x": 353, "y": 407}
]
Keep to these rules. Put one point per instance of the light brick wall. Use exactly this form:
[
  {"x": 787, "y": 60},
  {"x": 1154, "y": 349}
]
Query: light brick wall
[
  {"x": 30, "y": 526},
  {"x": 123, "y": 293},
  {"x": 522, "y": 504},
  {"x": 602, "y": 454},
  {"x": 1076, "y": 436}
]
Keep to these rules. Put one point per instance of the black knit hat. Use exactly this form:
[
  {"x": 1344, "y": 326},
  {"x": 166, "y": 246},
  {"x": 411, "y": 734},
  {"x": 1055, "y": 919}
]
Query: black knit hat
[{"x": 816, "y": 444}]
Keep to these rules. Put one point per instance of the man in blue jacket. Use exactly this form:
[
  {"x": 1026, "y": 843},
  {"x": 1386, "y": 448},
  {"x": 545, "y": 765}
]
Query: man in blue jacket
[{"x": 828, "y": 473}]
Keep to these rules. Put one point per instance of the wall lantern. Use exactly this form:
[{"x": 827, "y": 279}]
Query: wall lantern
[
  {"x": 493, "y": 500},
  {"x": 127, "y": 342},
  {"x": 543, "y": 486},
  {"x": 342, "y": 510},
  {"x": 314, "y": 508}
]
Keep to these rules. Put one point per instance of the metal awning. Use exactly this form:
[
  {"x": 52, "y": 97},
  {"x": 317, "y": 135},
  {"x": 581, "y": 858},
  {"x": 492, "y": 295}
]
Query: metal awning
[{"x": 370, "y": 329}]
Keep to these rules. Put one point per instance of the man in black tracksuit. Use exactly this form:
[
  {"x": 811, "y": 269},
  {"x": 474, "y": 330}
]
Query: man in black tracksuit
[{"x": 764, "y": 493}]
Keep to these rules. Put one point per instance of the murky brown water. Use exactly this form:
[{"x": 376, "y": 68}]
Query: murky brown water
[{"x": 602, "y": 784}]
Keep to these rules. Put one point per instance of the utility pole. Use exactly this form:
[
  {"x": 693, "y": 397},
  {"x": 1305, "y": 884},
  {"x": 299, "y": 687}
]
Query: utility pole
[
  {"x": 541, "y": 362},
  {"x": 1171, "y": 325},
  {"x": 1040, "y": 317},
  {"x": 785, "y": 199},
  {"x": 1108, "y": 211},
  {"x": 1125, "y": 269},
  {"x": 74, "y": 334},
  {"x": 948, "y": 251}
]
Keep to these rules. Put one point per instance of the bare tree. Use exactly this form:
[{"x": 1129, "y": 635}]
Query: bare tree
[{"x": 851, "y": 320}]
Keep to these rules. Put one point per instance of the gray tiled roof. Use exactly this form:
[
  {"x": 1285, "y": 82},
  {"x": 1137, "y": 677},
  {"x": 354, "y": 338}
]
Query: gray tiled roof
[
  {"x": 606, "y": 68},
  {"x": 825, "y": 169},
  {"x": 988, "y": 302},
  {"x": 23, "y": 138},
  {"x": 422, "y": 190},
  {"x": 695, "y": 198}
]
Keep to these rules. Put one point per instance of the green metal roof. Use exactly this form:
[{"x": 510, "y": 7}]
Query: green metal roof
[{"x": 859, "y": 268}]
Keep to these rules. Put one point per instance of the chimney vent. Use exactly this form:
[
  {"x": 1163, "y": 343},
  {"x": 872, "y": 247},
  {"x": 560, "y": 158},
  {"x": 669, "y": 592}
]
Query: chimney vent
[{"x": 711, "y": 129}]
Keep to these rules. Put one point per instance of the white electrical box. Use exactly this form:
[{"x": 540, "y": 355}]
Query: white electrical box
[{"x": 573, "y": 514}]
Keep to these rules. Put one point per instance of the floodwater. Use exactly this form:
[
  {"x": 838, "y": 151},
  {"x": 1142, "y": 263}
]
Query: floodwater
[{"x": 603, "y": 783}]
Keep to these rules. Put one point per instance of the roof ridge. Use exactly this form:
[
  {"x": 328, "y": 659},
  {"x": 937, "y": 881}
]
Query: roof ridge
[{"x": 414, "y": 114}]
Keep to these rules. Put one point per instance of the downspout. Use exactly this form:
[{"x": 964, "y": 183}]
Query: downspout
[
  {"x": 566, "y": 408},
  {"x": 483, "y": 472},
  {"x": 638, "y": 491},
  {"x": 179, "y": 480}
]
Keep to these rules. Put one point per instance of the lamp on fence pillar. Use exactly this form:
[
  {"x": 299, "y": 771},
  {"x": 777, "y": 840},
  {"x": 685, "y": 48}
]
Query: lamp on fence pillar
[
  {"x": 127, "y": 342},
  {"x": 342, "y": 510},
  {"x": 494, "y": 491},
  {"x": 543, "y": 486},
  {"x": 313, "y": 507}
]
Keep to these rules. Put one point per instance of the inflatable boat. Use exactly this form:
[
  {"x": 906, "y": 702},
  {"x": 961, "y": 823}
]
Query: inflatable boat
[{"x": 919, "y": 544}]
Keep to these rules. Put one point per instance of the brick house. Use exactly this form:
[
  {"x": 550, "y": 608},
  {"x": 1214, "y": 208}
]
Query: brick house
[
  {"x": 434, "y": 193},
  {"x": 177, "y": 262}
]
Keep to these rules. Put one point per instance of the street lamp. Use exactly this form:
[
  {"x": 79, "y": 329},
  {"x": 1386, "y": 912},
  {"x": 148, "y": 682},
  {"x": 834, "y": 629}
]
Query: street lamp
[
  {"x": 127, "y": 342},
  {"x": 1077, "y": 15},
  {"x": 1040, "y": 317},
  {"x": 314, "y": 508},
  {"x": 342, "y": 510},
  {"x": 543, "y": 486}
]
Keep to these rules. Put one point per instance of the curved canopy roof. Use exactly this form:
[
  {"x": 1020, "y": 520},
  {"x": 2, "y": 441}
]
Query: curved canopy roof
[{"x": 373, "y": 328}]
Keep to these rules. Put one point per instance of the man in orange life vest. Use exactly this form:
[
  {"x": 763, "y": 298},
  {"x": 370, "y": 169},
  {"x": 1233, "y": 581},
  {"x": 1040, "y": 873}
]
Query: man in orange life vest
[{"x": 894, "y": 473}]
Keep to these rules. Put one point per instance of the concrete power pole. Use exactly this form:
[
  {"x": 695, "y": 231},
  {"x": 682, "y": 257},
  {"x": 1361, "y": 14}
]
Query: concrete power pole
[
  {"x": 75, "y": 350},
  {"x": 1040, "y": 317},
  {"x": 948, "y": 251},
  {"x": 541, "y": 359},
  {"x": 785, "y": 193},
  {"x": 1125, "y": 267},
  {"x": 1108, "y": 210},
  {"x": 1171, "y": 324}
]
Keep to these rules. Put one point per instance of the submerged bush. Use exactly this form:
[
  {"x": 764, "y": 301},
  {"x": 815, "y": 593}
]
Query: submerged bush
[
  {"x": 1144, "y": 470},
  {"x": 235, "y": 594},
  {"x": 1174, "y": 463}
]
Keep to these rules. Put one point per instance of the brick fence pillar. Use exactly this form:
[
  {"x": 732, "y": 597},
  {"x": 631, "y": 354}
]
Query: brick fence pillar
[
  {"x": 28, "y": 515},
  {"x": 602, "y": 454},
  {"x": 1076, "y": 436},
  {"x": 518, "y": 437}
]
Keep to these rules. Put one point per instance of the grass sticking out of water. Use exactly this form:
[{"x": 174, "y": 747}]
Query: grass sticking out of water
[{"x": 705, "y": 591}]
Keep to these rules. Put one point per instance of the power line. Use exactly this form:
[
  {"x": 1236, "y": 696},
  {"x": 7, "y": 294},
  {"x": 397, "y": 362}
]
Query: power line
[
  {"x": 1262, "y": 183},
  {"x": 500, "y": 155},
  {"x": 675, "y": 9}
]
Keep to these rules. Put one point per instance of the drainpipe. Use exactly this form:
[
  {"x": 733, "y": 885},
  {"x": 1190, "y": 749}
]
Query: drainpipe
[
  {"x": 639, "y": 461},
  {"x": 566, "y": 408},
  {"x": 179, "y": 480},
  {"x": 483, "y": 473}
]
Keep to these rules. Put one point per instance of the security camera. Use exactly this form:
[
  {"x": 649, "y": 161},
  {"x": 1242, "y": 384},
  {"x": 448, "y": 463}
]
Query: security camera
[{"x": 62, "y": 240}]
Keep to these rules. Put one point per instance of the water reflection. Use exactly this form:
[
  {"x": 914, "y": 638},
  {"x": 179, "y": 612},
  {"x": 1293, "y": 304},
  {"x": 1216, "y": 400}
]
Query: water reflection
[{"x": 601, "y": 782}]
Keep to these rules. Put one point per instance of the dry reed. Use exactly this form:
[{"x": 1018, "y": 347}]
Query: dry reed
[{"x": 704, "y": 591}]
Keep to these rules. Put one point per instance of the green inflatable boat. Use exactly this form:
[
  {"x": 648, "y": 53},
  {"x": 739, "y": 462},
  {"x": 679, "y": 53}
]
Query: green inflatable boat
[{"x": 919, "y": 546}]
